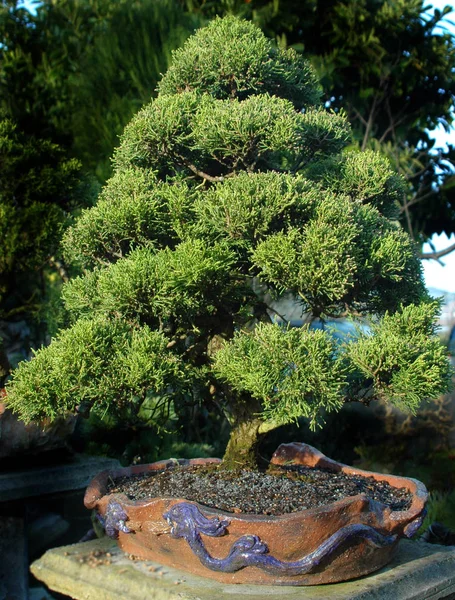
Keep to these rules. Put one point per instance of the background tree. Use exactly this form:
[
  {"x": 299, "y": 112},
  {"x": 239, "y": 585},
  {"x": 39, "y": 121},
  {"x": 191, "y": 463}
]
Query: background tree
[
  {"x": 69, "y": 81},
  {"x": 119, "y": 72},
  {"x": 39, "y": 182},
  {"x": 71, "y": 73},
  {"x": 217, "y": 186},
  {"x": 39, "y": 185}
]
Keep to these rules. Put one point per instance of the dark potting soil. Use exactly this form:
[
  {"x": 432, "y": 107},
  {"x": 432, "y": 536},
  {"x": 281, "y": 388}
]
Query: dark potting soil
[{"x": 287, "y": 490}]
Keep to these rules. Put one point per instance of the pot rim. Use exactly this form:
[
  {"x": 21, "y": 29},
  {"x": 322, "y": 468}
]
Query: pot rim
[{"x": 286, "y": 453}]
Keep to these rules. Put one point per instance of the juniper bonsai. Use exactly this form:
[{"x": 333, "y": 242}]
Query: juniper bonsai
[{"x": 234, "y": 181}]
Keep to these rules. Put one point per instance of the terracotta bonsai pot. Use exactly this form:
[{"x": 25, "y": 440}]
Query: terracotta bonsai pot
[{"x": 331, "y": 543}]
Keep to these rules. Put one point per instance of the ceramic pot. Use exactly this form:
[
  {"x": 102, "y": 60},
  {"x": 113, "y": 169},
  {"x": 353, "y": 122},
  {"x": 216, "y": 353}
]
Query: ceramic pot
[{"x": 336, "y": 542}]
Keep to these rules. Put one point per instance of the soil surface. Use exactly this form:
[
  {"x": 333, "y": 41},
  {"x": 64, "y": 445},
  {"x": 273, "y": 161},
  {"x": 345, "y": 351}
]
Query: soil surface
[{"x": 286, "y": 490}]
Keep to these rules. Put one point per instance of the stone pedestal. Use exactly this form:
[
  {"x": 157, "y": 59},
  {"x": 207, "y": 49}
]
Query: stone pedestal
[{"x": 98, "y": 570}]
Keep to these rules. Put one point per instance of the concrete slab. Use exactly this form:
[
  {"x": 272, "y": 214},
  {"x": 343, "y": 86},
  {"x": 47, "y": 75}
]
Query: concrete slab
[
  {"x": 51, "y": 479},
  {"x": 98, "y": 570}
]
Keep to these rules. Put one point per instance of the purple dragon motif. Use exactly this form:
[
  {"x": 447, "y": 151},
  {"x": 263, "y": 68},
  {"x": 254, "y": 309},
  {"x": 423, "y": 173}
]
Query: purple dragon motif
[
  {"x": 189, "y": 523},
  {"x": 114, "y": 520}
]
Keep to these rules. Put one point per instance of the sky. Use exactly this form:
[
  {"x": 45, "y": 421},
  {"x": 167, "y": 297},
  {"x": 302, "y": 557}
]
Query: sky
[{"x": 439, "y": 275}]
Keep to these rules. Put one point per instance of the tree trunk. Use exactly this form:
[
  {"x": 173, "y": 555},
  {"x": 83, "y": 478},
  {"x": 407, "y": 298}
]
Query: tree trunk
[{"x": 242, "y": 449}]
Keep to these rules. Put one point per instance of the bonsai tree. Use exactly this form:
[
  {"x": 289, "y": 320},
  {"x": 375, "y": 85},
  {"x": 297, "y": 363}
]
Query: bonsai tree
[{"x": 232, "y": 186}]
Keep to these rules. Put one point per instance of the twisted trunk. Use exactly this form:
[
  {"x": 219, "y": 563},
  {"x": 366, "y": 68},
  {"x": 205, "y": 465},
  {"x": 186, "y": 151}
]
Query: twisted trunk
[
  {"x": 242, "y": 449},
  {"x": 247, "y": 430}
]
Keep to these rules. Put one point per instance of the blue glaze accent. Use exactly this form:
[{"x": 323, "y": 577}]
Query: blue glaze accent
[
  {"x": 114, "y": 520},
  {"x": 188, "y": 523},
  {"x": 411, "y": 529}
]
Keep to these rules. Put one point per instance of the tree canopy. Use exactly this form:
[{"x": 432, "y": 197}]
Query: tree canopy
[
  {"x": 390, "y": 66},
  {"x": 38, "y": 185}
]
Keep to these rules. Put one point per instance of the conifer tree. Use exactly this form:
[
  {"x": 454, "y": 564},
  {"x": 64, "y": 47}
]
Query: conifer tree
[
  {"x": 231, "y": 182},
  {"x": 39, "y": 186}
]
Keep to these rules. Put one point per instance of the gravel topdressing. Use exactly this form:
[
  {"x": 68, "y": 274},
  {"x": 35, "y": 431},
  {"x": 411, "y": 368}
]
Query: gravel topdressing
[{"x": 289, "y": 490}]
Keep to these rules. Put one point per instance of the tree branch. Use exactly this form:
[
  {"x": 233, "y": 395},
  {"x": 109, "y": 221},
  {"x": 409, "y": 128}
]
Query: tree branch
[
  {"x": 437, "y": 255},
  {"x": 391, "y": 128},
  {"x": 59, "y": 267},
  {"x": 417, "y": 199},
  {"x": 202, "y": 174},
  {"x": 408, "y": 218},
  {"x": 267, "y": 426},
  {"x": 416, "y": 174},
  {"x": 369, "y": 124},
  {"x": 358, "y": 115},
  {"x": 282, "y": 317}
]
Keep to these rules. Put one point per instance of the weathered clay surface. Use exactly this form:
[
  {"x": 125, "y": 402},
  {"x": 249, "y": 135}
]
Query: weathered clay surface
[{"x": 288, "y": 538}]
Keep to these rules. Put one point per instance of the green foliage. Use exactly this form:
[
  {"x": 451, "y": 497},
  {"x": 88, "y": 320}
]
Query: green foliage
[
  {"x": 133, "y": 210},
  {"x": 366, "y": 177},
  {"x": 389, "y": 64},
  {"x": 316, "y": 262},
  {"x": 402, "y": 357},
  {"x": 323, "y": 133},
  {"x": 187, "y": 284},
  {"x": 293, "y": 372},
  {"x": 231, "y": 58},
  {"x": 302, "y": 372},
  {"x": 401, "y": 88},
  {"x": 441, "y": 509},
  {"x": 39, "y": 184},
  {"x": 69, "y": 72},
  {"x": 100, "y": 364},
  {"x": 219, "y": 200},
  {"x": 240, "y": 135},
  {"x": 158, "y": 134},
  {"x": 346, "y": 257},
  {"x": 247, "y": 208},
  {"x": 200, "y": 134},
  {"x": 118, "y": 71}
]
